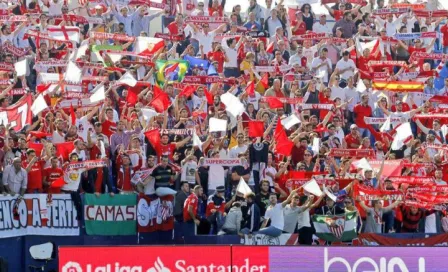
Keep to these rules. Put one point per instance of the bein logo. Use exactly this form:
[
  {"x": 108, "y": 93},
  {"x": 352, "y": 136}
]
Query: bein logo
[{"x": 384, "y": 265}]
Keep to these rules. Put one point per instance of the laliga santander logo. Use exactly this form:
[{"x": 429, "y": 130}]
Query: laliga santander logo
[{"x": 72, "y": 267}]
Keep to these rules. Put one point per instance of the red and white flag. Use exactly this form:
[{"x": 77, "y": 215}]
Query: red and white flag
[
  {"x": 64, "y": 33},
  {"x": 148, "y": 45}
]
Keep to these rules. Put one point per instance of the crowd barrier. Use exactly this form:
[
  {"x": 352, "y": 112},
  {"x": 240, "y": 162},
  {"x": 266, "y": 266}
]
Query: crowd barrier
[{"x": 251, "y": 259}]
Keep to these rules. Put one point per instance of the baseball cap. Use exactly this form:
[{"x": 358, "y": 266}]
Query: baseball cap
[{"x": 353, "y": 126}]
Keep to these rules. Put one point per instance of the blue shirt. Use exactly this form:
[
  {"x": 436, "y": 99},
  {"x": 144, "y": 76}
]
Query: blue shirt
[{"x": 249, "y": 25}]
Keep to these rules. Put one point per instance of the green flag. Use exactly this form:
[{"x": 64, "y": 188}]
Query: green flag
[
  {"x": 334, "y": 228},
  {"x": 106, "y": 215}
]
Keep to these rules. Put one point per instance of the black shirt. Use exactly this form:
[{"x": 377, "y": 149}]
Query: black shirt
[{"x": 162, "y": 176}]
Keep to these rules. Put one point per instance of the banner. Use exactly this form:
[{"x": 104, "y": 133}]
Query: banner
[
  {"x": 415, "y": 35},
  {"x": 398, "y": 86},
  {"x": 140, "y": 175},
  {"x": 386, "y": 11},
  {"x": 238, "y": 258},
  {"x": 107, "y": 215},
  {"x": 207, "y": 80},
  {"x": 222, "y": 162},
  {"x": 293, "y": 184},
  {"x": 86, "y": 164},
  {"x": 365, "y": 193},
  {"x": 154, "y": 214},
  {"x": 169, "y": 37},
  {"x": 316, "y": 106},
  {"x": 336, "y": 227},
  {"x": 357, "y": 153},
  {"x": 373, "y": 239},
  {"x": 186, "y": 131},
  {"x": 356, "y": 2},
  {"x": 411, "y": 180},
  {"x": 38, "y": 214},
  {"x": 19, "y": 114},
  {"x": 206, "y": 19},
  {"x": 380, "y": 121},
  {"x": 111, "y": 36},
  {"x": 266, "y": 240},
  {"x": 432, "y": 14},
  {"x": 285, "y": 100},
  {"x": 391, "y": 167}
]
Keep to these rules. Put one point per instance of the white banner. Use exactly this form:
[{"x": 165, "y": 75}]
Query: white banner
[
  {"x": 37, "y": 214},
  {"x": 265, "y": 240}
]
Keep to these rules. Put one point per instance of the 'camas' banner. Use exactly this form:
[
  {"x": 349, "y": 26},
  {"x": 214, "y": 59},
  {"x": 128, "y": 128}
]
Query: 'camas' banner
[
  {"x": 17, "y": 115},
  {"x": 38, "y": 214},
  {"x": 155, "y": 214},
  {"x": 106, "y": 215},
  {"x": 356, "y": 153}
]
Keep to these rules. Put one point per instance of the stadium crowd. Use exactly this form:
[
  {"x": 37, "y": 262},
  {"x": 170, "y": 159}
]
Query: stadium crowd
[{"x": 270, "y": 96}]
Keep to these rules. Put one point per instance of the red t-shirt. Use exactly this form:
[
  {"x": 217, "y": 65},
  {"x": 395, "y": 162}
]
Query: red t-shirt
[
  {"x": 338, "y": 14},
  {"x": 444, "y": 30},
  {"x": 324, "y": 100},
  {"x": 168, "y": 150},
  {"x": 34, "y": 175},
  {"x": 192, "y": 200},
  {"x": 109, "y": 128},
  {"x": 301, "y": 29},
  {"x": 51, "y": 175},
  {"x": 362, "y": 63},
  {"x": 350, "y": 139},
  {"x": 219, "y": 57},
  {"x": 361, "y": 112}
]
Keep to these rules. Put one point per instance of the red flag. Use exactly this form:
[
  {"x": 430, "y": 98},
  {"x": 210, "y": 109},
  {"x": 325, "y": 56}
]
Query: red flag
[
  {"x": 64, "y": 149},
  {"x": 37, "y": 147},
  {"x": 153, "y": 137},
  {"x": 284, "y": 145},
  {"x": 187, "y": 91},
  {"x": 132, "y": 97},
  {"x": 270, "y": 48},
  {"x": 58, "y": 183},
  {"x": 250, "y": 88},
  {"x": 42, "y": 87},
  {"x": 274, "y": 103},
  {"x": 209, "y": 97},
  {"x": 265, "y": 80},
  {"x": 173, "y": 29},
  {"x": 72, "y": 115},
  {"x": 161, "y": 101},
  {"x": 171, "y": 69},
  {"x": 256, "y": 128}
]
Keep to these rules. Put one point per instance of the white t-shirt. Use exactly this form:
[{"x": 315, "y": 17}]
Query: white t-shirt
[
  {"x": 320, "y": 28},
  {"x": 303, "y": 219},
  {"x": 83, "y": 126},
  {"x": 216, "y": 176},
  {"x": 234, "y": 151},
  {"x": 309, "y": 53},
  {"x": 57, "y": 138},
  {"x": 337, "y": 91},
  {"x": 275, "y": 214},
  {"x": 55, "y": 8},
  {"x": 430, "y": 224},
  {"x": 291, "y": 216},
  {"x": 342, "y": 64},
  {"x": 188, "y": 6},
  {"x": 197, "y": 101},
  {"x": 205, "y": 40},
  {"x": 254, "y": 100},
  {"x": 323, "y": 70},
  {"x": 189, "y": 172},
  {"x": 351, "y": 93},
  {"x": 72, "y": 179}
]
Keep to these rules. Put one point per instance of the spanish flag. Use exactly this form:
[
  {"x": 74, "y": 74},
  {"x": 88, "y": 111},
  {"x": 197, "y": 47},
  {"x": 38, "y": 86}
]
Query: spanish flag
[
  {"x": 171, "y": 70},
  {"x": 398, "y": 86}
]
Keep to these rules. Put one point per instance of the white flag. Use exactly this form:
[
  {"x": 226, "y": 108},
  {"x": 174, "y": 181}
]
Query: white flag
[
  {"x": 64, "y": 33},
  {"x": 98, "y": 94},
  {"x": 102, "y": 149},
  {"x": 330, "y": 194},
  {"x": 21, "y": 67},
  {"x": 312, "y": 187},
  {"x": 73, "y": 73},
  {"x": 243, "y": 187},
  {"x": 444, "y": 130},
  {"x": 362, "y": 164},
  {"x": 128, "y": 79},
  {"x": 361, "y": 87},
  {"x": 290, "y": 121},
  {"x": 217, "y": 125},
  {"x": 403, "y": 132},
  {"x": 233, "y": 104},
  {"x": 386, "y": 126},
  {"x": 148, "y": 113},
  {"x": 39, "y": 105},
  {"x": 196, "y": 141},
  {"x": 316, "y": 144}
]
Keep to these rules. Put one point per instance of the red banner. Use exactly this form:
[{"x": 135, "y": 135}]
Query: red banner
[
  {"x": 391, "y": 168},
  {"x": 356, "y": 153},
  {"x": 17, "y": 115},
  {"x": 154, "y": 214},
  {"x": 411, "y": 180},
  {"x": 372, "y": 239},
  {"x": 364, "y": 193}
]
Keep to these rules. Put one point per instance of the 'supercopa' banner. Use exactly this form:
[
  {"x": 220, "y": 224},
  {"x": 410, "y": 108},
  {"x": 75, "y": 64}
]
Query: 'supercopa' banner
[{"x": 38, "y": 214}]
